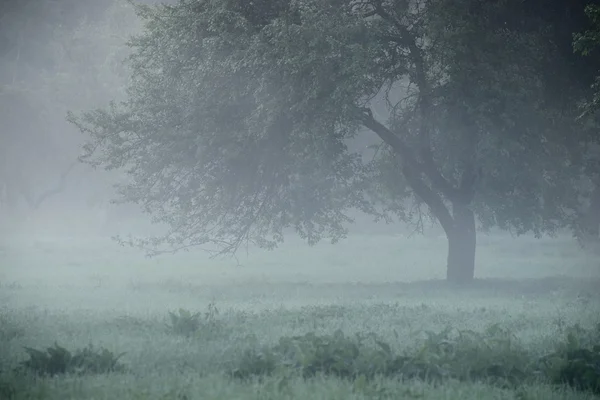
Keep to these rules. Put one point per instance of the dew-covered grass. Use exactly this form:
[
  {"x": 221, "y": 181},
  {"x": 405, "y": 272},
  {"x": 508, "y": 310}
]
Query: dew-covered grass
[{"x": 81, "y": 291}]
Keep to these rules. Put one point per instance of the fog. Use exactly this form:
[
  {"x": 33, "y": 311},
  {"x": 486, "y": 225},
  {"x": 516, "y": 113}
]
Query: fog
[{"x": 65, "y": 279}]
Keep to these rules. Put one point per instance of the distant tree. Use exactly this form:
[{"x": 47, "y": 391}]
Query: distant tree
[
  {"x": 54, "y": 56},
  {"x": 238, "y": 116}
]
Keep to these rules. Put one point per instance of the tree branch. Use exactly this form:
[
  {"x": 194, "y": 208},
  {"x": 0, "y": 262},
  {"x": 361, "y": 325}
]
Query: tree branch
[
  {"x": 35, "y": 203},
  {"x": 405, "y": 38},
  {"x": 431, "y": 198},
  {"x": 411, "y": 169}
]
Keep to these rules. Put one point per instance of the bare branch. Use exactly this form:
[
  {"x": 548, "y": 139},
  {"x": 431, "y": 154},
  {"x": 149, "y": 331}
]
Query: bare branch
[
  {"x": 36, "y": 202},
  {"x": 405, "y": 38}
]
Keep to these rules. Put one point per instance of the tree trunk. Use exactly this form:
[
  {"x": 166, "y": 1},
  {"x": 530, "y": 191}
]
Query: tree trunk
[
  {"x": 462, "y": 239},
  {"x": 460, "y": 226}
]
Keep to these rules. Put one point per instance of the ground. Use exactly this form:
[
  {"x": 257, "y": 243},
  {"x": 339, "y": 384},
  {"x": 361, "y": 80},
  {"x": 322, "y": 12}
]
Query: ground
[{"x": 77, "y": 291}]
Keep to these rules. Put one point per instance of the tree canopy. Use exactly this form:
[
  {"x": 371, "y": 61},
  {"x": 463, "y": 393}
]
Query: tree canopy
[
  {"x": 238, "y": 116},
  {"x": 586, "y": 43}
]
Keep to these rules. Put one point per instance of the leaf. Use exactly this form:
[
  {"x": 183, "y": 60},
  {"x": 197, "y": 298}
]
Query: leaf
[{"x": 384, "y": 346}]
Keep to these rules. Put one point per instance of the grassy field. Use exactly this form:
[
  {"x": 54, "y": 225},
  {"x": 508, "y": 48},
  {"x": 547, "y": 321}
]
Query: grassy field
[{"x": 530, "y": 294}]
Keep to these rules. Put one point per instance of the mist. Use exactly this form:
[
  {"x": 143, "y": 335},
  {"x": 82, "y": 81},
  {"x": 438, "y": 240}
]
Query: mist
[{"x": 97, "y": 262}]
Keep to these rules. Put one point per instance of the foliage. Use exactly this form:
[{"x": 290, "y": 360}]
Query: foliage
[
  {"x": 503, "y": 110},
  {"x": 58, "y": 360},
  {"x": 255, "y": 363},
  {"x": 9, "y": 329},
  {"x": 493, "y": 356},
  {"x": 441, "y": 356},
  {"x": 576, "y": 361},
  {"x": 238, "y": 117},
  {"x": 7, "y": 389},
  {"x": 587, "y": 42},
  {"x": 581, "y": 369},
  {"x": 184, "y": 322}
]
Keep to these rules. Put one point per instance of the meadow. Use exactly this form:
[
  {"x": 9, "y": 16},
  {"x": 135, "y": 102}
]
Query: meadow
[{"x": 368, "y": 318}]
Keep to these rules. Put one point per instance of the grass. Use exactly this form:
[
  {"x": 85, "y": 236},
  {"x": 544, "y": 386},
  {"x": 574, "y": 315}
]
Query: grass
[{"x": 78, "y": 292}]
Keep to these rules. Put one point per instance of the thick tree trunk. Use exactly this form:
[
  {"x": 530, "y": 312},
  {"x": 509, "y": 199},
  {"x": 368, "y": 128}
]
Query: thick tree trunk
[
  {"x": 462, "y": 240},
  {"x": 460, "y": 225}
]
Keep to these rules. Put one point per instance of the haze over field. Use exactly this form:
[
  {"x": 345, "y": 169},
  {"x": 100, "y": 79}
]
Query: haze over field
[{"x": 341, "y": 199}]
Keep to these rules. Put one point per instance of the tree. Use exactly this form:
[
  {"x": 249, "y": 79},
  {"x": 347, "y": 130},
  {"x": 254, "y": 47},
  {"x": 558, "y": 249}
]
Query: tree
[
  {"x": 586, "y": 43},
  {"x": 239, "y": 113}
]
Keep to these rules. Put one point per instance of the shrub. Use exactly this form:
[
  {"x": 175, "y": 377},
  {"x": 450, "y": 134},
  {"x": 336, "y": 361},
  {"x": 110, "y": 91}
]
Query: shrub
[
  {"x": 347, "y": 357},
  {"x": 9, "y": 329},
  {"x": 255, "y": 363},
  {"x": 576, "y": 361},
  {"x": 7, "y": 390},
  {"x": 184, "y": 322},
  {"x": 58, "y": 360},
  {"x": 493, "y": 356},
  {"x": 582, "y": 370}
]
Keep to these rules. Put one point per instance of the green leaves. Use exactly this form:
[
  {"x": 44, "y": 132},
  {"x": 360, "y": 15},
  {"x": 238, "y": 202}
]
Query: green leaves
[
  {"x": 576, "y": 362},
  {"x": 58, "y": 360},
  {"x": 493, "y": 356},
  {"x": 585, "y": 43},
  {"x": 185, "y": 323},
  {"x": 246, "y": 123},
  {"x": 589, "y": 40},
  {"x": 238, "y": 118}
]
